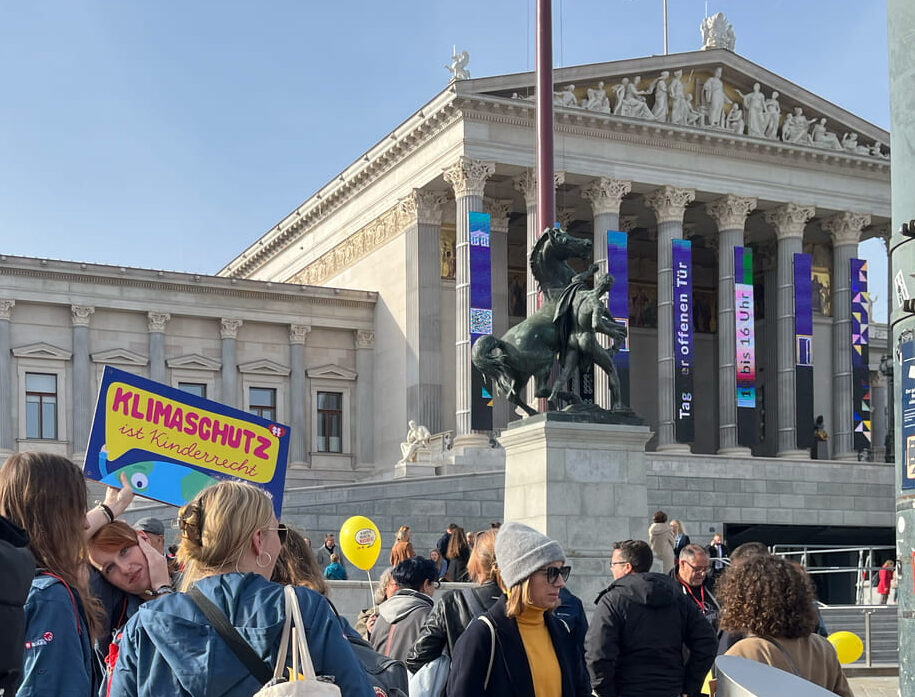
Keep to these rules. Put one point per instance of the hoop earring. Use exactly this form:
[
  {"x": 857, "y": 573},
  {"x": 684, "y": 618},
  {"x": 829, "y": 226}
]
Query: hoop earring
[{"x": 266, "y": 564}]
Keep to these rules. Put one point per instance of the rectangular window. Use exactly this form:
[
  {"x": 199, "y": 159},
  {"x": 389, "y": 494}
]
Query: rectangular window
[
  {"x": 262, "y": 401},
  {"x": 41, "y": 406},
  {"x": 330, "y": 422},
  {"x": 198, "y": 389}
]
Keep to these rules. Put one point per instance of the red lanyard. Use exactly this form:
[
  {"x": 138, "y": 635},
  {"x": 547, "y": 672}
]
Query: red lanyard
[{"x": 692, "y": 595}]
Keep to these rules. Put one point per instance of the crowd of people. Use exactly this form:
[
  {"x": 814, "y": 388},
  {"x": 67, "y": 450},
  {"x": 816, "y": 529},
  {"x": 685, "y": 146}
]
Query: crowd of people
[{"x": 94, "y": 606}]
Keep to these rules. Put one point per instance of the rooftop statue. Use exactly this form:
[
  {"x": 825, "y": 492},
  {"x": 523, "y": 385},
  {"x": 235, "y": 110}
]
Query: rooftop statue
[
  {"x": 717, "y": 32},
  {"x": 458, "y": 67}
]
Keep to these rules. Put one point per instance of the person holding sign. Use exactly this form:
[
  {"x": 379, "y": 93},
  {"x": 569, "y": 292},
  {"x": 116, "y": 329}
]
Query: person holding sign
[{"x": 230, "y": 540}]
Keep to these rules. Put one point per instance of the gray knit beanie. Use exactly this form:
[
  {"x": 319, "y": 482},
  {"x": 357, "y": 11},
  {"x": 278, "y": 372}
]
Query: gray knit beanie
[{"x": 521, "y": 550}]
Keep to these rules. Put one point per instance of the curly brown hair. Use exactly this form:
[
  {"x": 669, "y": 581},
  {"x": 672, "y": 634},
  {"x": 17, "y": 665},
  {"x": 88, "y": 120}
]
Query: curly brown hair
[{"x": 767, "y": 596}]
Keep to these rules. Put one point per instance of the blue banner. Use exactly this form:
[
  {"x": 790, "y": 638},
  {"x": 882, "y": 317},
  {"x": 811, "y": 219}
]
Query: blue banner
[
  {"x": 684, "y": 420},
  {"x": 803, "y": 353},
  {"x": 618, "y": 302},
  {"x": 860, "y": 356},
  {"x": 480, "y": 319}
]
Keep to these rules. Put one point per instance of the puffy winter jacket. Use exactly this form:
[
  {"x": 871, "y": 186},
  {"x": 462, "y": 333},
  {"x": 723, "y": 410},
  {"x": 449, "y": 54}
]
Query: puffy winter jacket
[
  {"x": 169, "y": 648},
  {"x": 15, "y": 580},
  {"x": 636, "y": 639},
  {"x": 400, "y": 618}
]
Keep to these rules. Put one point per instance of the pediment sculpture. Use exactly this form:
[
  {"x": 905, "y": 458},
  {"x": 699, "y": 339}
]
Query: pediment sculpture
[{"x": 717, "y": 32}]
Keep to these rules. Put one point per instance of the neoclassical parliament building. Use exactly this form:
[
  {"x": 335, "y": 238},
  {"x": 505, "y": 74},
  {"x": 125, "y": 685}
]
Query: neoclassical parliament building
[{"x": 348, "y": 317}]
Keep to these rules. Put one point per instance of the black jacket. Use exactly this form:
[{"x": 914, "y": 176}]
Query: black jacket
[
  {"x": 511, "y": 673},
  {"x": 18, "y": 569},
  {"x": 637, "y": 635},
  {"x": 447, "y": 622}
]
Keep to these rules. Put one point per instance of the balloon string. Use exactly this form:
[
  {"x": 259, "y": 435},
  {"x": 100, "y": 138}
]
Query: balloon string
[{"x": 372, "y": 592}]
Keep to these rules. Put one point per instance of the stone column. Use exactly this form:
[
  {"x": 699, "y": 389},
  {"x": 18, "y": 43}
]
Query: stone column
[
  {"x": 788, "y": 220},
  {"x": 7, "y": 393},
  {"x": 845, "y": 230},
  {"x": 468, "y": 178},
  {"x": 228, "y": 330},
  {"x": 423, "y": 211},
  {"x": 526, "y": 183},
  {"x": 297, "y": 393},
  {"x": 155, "y": 324},
  {"x": 82, "y": 394},
  {"x": 730, "y": 215},
  {"x": 499, "y": 211},
  {"x": 364, "y": 411},
  {"x": 669, "y": 204},
  {"x": 605, "y": 195}
]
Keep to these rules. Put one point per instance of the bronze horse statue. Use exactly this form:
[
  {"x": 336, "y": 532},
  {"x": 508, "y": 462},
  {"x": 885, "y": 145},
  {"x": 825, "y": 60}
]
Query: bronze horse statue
[{"x": 529, "y": 348}]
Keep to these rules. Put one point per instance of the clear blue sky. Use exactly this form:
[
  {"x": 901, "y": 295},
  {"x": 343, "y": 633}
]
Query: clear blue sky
[{"x": 172, "y": 135}]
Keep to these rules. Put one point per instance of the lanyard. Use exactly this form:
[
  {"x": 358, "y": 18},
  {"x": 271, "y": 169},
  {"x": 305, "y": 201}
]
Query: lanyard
[{"x": 700, "y": 603}]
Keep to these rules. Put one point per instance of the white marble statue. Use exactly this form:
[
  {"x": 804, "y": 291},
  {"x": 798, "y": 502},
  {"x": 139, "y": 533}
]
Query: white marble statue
[
  {"x": 773, "y": 116},
  {"x": 735, "y": 120},
  {"x": 635, "y": 104},
  {"x": 796, "y": 128},
  {"x": 850, "y": 143},
  {"x": 824, "y": 139},
  {"x": 754, "y": 104},
  {"x": 695, "y": 117},
  {"x": 876, "y": 150},
  {"x": 717, "y": 32},
  {"x": 458, "y": 67},
  {"x": 597, "y": 99},
  {"x": 714, "y": 98},
  {"x": 679, "y": 110},
  {"x": 565, "y": 97},
  {"x": 619, "y": 97},
  {"x": 659, "y": 88},
  {"x": 417, "y": 437}
]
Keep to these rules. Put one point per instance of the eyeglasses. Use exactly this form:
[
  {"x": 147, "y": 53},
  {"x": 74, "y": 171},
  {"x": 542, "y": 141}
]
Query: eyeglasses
[
  {"x": 701, "y": 569},
  {"x": 617, "y": 563},
  {"x": 554, "y": 572},
  {"x": 281, "y": 532}
]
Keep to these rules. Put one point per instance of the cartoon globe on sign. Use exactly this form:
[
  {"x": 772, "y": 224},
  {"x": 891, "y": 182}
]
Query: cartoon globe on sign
[{"x": 164, "y": 481}]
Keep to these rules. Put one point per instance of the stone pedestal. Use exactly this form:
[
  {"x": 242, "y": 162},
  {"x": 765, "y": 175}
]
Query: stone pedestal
[
  {"x": 582, "y": 484},
  {"x": 423, "y": 466}
]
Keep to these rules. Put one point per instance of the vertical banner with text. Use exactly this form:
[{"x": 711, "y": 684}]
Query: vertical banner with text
[
  {"x": 860, "y": 369},
  {"x": 684, "y": 420},
  {"x": 745, "y": 346},
  {"x": 480, "y": 319},
  {"x": 618, "y": 301},
  {"x": 803, "y": 350}
]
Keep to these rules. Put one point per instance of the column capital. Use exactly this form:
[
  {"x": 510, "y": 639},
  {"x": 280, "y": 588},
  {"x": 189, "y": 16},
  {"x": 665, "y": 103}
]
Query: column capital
[
  {"x": 730, "y": 212},
  {"x": 606, "y": 194},
  {"x": 156, "y": 321},
  {"x": 845, "y": 227},
  {"x": 228, "y": 328},
  {"x": 80, "y": 314},
  {"x": 526, "y": 183},
  {"x": 298, "y": 333},
  {"x": 6, "y": 308},
  {"x": 789, "y": 219},
  {"x": 669, "y": 203},
  {"x": 499, "y": 210},
  {"x": 423, "y": 207},
  {"x": 365, "y": 338},
  {"x": 468, "y": 176}
]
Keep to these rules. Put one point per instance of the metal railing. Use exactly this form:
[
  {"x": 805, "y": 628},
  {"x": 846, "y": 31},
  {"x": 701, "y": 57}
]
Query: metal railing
[{"x": 864, "y": 567}]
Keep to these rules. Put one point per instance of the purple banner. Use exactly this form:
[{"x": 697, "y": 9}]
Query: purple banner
[
  {"x": 480, "y": 319},
  {"x": 745, "y": 346},
  {"x": 684, "y": 421},
  {"x": 860, "y": 356},
  {"x": 803, "y": 353},
  {"x": 618, "y": 302}
]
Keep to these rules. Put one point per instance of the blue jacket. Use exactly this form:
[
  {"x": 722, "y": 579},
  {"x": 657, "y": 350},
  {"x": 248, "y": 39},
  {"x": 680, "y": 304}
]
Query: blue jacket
[
  {"x": 335, "y": 571},
  {"x": 59, "y": 659},
  {"x": 169, "y": 648}
]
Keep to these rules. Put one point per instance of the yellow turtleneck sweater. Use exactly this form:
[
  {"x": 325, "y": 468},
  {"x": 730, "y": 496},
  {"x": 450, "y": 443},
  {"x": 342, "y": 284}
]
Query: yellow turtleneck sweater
[{"x": 540, "y": 653}]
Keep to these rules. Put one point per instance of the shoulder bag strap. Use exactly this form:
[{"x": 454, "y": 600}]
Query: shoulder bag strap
[
  {"x": 241, "y": 648},
  {"x": 492, "y": 650},
  {"x": 784, "y": 653},
  {"x": 473, "y": 602}
]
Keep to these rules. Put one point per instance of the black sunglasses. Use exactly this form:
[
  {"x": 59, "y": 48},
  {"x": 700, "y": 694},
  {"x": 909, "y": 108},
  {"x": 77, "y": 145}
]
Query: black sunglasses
[
  {"x": 554, "y": 572},
  {"x": 281, "y": 532}
]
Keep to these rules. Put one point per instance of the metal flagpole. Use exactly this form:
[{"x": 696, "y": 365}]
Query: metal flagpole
[
  {"x": 546, "y": 197},
  {"x": 665, "y": 27}
]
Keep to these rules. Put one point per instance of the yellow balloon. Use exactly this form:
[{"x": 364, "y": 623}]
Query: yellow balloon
[
  {"x": 848, "y": 646},
  {"x": 360, "y": 541}
]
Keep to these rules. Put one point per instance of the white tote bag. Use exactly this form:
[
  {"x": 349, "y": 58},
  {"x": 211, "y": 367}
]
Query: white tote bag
[
  {"x": 430, "y": 680},
  {"x": 304, "y": 682}
]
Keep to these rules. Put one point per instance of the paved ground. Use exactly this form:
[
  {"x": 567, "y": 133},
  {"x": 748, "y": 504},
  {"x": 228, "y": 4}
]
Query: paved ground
[{"x": 875, "y": 687}]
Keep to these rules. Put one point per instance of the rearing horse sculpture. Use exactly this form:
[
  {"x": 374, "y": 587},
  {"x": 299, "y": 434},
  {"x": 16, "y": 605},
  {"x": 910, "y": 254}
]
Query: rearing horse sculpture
[{"x": 529, "y": 348}]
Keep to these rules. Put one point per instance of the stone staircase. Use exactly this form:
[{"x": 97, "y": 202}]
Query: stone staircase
[{"x": 884, "y": 632}]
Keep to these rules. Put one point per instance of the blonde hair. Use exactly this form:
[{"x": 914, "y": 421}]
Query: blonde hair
[
  {"x": 217, "y": 527},
  {"x": 482, "y": 562},
  {"x": 519, "y": 597},
  {"x": 678, "y": 525}
]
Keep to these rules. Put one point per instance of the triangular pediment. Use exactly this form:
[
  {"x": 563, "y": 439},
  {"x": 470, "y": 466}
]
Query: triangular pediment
[
  {"x": 119, "y": 356},
  {"x": 263, "y": 366},
  {"x": 194, "y": 361},
  {"x": 332, "y": 372},
  {"x": 578, "y": 90},
  {"x": 42, "y": 350}
]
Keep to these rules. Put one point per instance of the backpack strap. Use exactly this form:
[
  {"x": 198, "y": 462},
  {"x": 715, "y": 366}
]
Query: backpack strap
[
  {"x": 241, "y": 648},
  {"x": 492, "y": 650},
  {"x": 473, "y": 602}
]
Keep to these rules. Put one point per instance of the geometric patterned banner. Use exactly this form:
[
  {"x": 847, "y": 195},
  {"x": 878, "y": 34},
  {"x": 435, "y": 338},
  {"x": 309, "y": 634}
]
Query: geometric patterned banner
[
  {"x": 745, "y": 346},
  {"x": 480, "y": 319},
  {"x": 803, "y": 351},
  {"x": 860, "y": 358}
]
